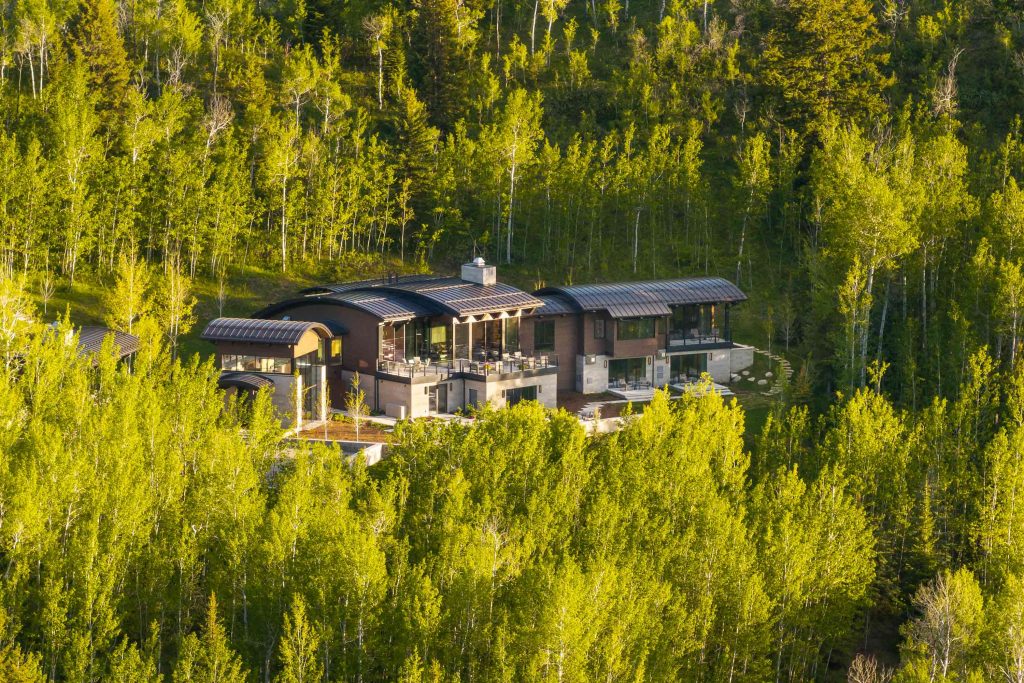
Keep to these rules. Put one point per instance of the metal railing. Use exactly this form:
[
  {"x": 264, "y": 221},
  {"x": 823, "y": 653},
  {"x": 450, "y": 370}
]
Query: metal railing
[
  {"x": 678, "y": 338},
  {"x": 414, "y": 367},
  {"x": 443, "y": 369},
  {"x": 507, "y": 365}
]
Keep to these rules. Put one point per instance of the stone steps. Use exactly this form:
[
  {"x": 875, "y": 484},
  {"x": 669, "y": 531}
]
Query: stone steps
[{"x": 782, "y": 377}]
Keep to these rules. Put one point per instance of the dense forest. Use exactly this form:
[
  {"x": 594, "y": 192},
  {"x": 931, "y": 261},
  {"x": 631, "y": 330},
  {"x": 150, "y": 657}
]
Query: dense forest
[
  {"x": 146, "y": 537},
  {"x": 855, "y": 166}
]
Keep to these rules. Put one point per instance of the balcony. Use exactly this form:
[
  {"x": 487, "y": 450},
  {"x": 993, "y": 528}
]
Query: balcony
[
  {"x": 510, "y": 364},
  {"x": 414, "y": 367},
  {"x": 685, "y": 338}
]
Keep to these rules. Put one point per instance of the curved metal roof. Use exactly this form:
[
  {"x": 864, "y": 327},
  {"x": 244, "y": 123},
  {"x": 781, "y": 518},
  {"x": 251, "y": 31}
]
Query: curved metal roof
[
  {"x": 261, "y": 331},
  {"x": 649, "y": 297},
  {"x": 555, "y": 304},
  {"x": 458, "y": 297},
  {"x": 90, "y": 340},
  {"x": 243, "y": 380},
  {"x": 381, "y": 304}
]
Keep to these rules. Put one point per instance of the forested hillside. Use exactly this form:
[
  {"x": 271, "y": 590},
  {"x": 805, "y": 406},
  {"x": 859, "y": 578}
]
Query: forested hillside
[
  {"x": 145, "y": 536},
  {"x": 856, "y": 167}
]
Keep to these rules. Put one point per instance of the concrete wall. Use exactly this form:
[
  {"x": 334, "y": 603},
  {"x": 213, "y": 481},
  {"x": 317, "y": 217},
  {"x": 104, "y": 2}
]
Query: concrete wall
[
  {"x": 741, "y": 358},
  {"x": 719, "y": 365},
  {"x": 661, "y": 370},
  {"x": 592, "y": 378},
  {"x": 547, "y": 389},
  {"x": 283, "y": 397}
]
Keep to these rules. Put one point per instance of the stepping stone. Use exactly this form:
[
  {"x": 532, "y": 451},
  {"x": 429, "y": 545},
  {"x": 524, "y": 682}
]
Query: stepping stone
[
  {"x": 745, "y": 373},
  {"x": 768, "y": 374},
  {"x": 762, "y": 382}
]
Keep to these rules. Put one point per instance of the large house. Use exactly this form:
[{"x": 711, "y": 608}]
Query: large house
[{"x": 425, "y": 344}]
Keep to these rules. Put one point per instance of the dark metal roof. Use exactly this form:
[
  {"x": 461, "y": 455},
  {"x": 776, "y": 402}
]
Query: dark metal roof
[
  {"x": 459, "y": 297},
  {"x": 243, "y": 380},
  {"x": 260, "y": 331},
  {"x": 90, "y": 340},
  {"x": 414, "y": 296},
  {"x": 376, "y": 302},
  {"x": 640, "y": 309},
  {"x": 652, "y": 297},
  {"x": 384, "y": 304},
  {"x": 555, "y": 304}
]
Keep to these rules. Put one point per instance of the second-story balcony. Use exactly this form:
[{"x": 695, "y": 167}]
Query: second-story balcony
[
  {"x": 508, "y": 364},
  {"x": 418, "y": 370},
  {"x": 696, "y": 337},
  {"x": 415, "y": 367}
]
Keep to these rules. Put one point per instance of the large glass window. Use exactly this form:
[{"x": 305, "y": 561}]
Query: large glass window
[
  {"x": 511, "y": 335},
  {"x": 688, "y": 367},
  {"x": 241, "y": 363},
  {"x": 392, "y": 342},
  {"x": 518, "y": 395},
  {"x": 462, "y": 340},
  {"x": 439, "y": 343},
  {"x": 635, "y": 328},
  {"x": 626, "y": 371},
  {"x": 487, "y": 340},
  {"x": 695, "y": 322},
  {"x": 544, "y": 335}
]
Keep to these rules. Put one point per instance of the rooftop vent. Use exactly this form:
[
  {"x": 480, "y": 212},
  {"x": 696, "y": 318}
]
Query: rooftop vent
[{"x": 479, "y": 272}]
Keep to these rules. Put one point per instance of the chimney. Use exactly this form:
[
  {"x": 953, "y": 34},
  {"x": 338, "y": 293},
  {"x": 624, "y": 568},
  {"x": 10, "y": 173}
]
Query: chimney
[{"x": 479, "y": 272}]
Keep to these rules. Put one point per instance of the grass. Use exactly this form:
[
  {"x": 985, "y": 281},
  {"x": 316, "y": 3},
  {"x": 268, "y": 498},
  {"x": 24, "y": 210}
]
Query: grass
[{"x": 247, "y": 290}]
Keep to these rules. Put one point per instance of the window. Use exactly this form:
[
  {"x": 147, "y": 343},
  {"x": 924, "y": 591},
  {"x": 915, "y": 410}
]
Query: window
[
  {"x": 511, "y": 335},
  {"x": 626, "y": 371},
  {"x": 336, "y": 350},
  {"x": 280, "y": 366},
  {"x": 598, "y": 328},
  {"x": 544, "y": 335},
  {"x": 514, "y": 396},
  {"x": 635, "y": 328}
]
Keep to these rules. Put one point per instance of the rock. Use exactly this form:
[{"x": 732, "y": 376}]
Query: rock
[
  {"x": 734, "y": 378},
  {"x": 768, "y": 374},
  {"x": 762, "y": 382},
  {"x": 745, "y": 373},
  {"x": 751, "y": 379}
]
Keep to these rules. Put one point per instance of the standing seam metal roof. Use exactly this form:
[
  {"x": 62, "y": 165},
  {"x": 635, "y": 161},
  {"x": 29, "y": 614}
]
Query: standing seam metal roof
[
  {"x": 459, "y": 297},
  {"x": 260, "y": 331},
  {"x": 90, "y": 340},
  {"x": 555, "y": 304},
  {"x": 243, "y": 380},
  {"x": 650, "y": 297}
]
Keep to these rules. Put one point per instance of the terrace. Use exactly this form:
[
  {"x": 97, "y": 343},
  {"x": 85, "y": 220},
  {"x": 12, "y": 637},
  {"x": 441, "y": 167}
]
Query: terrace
[
  {"x": 510, "y": 363},
  {"x": 443, "y": 370}
]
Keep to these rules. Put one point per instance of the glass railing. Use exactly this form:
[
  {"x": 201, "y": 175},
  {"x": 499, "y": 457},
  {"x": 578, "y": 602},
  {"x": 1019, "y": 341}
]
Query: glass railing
[
  {"x": 508, "y": 364},
  {"x": 695, "y": 337},
  {"x": 414, "y": 367},
  {"x": 418, "y": 368}
]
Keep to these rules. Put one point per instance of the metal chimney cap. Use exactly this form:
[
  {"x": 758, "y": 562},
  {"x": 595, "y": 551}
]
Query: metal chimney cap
[{"x": 479, "y": 262}]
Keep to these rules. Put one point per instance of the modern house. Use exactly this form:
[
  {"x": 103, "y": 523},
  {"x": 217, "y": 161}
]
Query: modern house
[
  {"x": 425, "y": 344},
  {"x": 641, "y": 334},
  {"x": 289, "y": 357}
]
